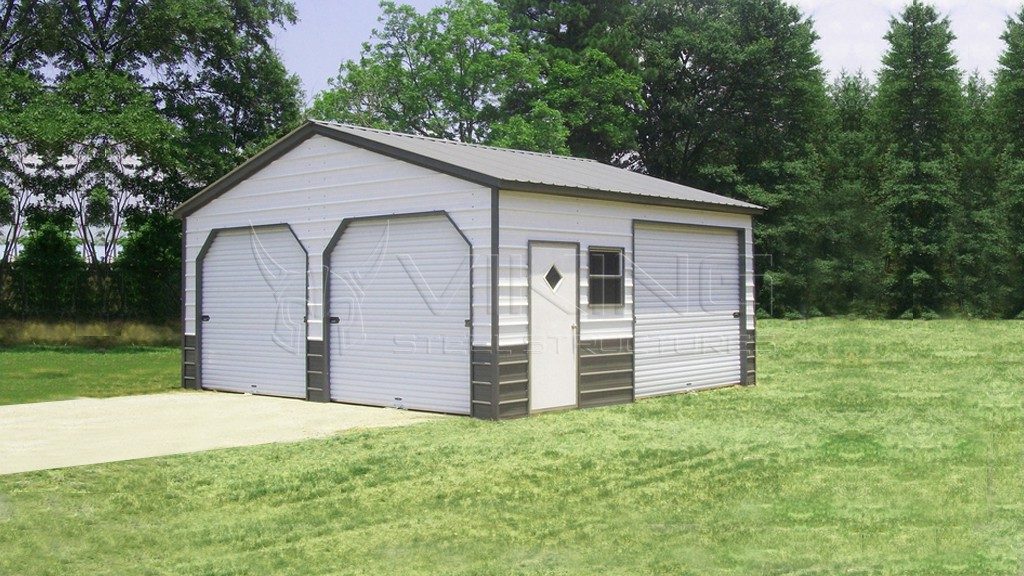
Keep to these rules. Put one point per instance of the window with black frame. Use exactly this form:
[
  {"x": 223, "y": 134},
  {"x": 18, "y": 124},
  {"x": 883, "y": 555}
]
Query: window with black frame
[{"x": 606, "y": 285}]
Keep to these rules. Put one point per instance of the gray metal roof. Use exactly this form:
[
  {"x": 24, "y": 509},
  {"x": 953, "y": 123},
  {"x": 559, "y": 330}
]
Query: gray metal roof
[
  {"x": 521, "y": 169},
  {"x": 499, "y": 168}
]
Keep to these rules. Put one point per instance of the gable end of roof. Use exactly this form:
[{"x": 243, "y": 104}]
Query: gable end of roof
[
  {"x": 292, "y": 140},
  {"x": 312, "y": 128}
]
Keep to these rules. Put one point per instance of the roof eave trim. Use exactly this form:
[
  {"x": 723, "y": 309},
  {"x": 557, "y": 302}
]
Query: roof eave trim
[{"x": 594, "y": 194}]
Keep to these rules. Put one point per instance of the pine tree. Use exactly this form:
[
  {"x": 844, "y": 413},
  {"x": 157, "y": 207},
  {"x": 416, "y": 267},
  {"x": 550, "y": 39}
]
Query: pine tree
[
  {"x": 847, "y": 271},
  {"x": 980, "y": 242},
  {"x": 1007, "y": 111},
  {"x": 917, "y": 124}
]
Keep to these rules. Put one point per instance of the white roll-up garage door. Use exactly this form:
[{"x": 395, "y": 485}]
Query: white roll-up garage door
[
  {"x": 253, "y": 304},
  {"x": 399, "y": 306},
  {"x": 687, "y": 299}
]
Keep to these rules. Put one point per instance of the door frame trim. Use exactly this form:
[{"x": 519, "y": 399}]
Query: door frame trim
[
  {"x": 529, "y": 323},
  {"x": 201, "y": 258},
  {"x": 325, "y": 263},
  {"x": 741, "y": 232}
]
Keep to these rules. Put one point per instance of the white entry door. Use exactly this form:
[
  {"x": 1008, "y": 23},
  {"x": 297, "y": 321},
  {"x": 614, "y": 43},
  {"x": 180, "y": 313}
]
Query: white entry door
[
  {"x": 554, "y": 294},
  {"x": 253, "y": 304}
]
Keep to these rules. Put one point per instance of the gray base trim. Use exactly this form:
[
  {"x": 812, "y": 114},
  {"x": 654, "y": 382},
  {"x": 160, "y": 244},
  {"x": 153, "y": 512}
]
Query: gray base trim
[
  {"x": 509, "y": 398},
  {"x": 316, "y": 378},
  {"x": 751, "y": 358},
  {"x": 605, "y": 378},
  {"x": 606, "y": 372},
  {"x": 480, "y": 396},
  {"x": 513, "y": 382},
  {"x": 188, "y": 362}
]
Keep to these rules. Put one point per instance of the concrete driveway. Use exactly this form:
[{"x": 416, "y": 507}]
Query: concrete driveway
[{"x": 90, "y": 431}]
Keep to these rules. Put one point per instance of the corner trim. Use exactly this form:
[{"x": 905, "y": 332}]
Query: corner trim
[
  {"x": 744, "y": 376},
  {"x": 495, "y": 317},
  {"x": 184, "y": 308}
]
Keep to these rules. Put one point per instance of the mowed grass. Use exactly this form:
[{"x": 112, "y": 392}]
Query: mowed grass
[
  {"x": 36, "y": 374},
  {"x": 866, "y": 448}
]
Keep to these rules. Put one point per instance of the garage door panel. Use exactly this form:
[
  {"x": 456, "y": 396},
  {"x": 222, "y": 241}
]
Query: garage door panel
[
  {"x": 400, "y": 289},
  {"x": 687, "y": 291},
  {"x": 254, "y": 293}
]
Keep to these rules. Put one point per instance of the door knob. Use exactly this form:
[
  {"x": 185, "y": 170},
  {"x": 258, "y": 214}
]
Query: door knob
[
  {"x": 736, "y": 315},
  {"x": 205, "y": 318}
]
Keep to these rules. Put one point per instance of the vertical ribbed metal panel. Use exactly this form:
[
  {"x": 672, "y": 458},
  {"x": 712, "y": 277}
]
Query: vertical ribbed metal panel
[
  {"x": 254, "y": 292},
  {"x": 400, "y": 289},
  {"x": 687, "y": 292},
  {"x": 322, "y": 182}
]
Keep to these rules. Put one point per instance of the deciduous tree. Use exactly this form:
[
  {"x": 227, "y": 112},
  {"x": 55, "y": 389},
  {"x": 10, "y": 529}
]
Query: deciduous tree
[
  {"x": 111, "y": 105},
  {"x": 734, "y": 103},
  {"x": 444, "y": 74},
  {"x": 589, "y": 71}
]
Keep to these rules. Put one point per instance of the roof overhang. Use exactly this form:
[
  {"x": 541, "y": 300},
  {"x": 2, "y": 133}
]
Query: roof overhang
[{"x": 310, "y": 129}]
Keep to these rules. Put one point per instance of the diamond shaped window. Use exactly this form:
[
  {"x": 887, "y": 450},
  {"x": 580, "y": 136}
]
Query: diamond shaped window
[{"x": 553, "y": 277}]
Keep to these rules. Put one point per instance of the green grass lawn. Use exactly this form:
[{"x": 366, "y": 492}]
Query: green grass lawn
[
  {"x": 866, "y": 448},
  {"x": 36, "y": 374}
]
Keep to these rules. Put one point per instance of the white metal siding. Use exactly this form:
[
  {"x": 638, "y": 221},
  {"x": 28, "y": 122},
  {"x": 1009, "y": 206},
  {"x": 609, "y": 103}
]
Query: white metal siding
[
  {"x": 254, "y": 292},
  {"x": 687, "y": 292},
  {"x": 400, "y": 288},
  {"x": 322, "y": 181},
  {"x": 528, "y": 216}
]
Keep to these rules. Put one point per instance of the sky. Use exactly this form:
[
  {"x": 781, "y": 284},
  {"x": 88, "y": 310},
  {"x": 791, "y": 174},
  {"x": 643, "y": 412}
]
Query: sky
[{"x": 332, "y": 31}]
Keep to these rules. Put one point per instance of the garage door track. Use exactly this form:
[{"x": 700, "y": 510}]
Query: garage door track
[{"x": 90, "y": 431}]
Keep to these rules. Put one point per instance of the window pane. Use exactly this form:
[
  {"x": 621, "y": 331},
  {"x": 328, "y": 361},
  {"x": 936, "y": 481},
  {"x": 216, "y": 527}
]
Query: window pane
[
  {"x": 553, "y": 277},
  {"x": 595, "y": 292},
  {"x": 612, "y": 290},
  {"x": 605, "y": 262},
  {"x": 613, "y": 263},
  {"x": 605, "y": 276},
  {"x": 605, "y": 291}
]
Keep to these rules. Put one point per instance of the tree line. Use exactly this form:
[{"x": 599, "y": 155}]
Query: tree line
[
  {"x": 112, "y": 113},
  {"x": 898, "y": 196}
]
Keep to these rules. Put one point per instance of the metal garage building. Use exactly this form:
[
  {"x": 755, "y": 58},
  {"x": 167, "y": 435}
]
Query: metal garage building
[{"x": 355, "y": 265}]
